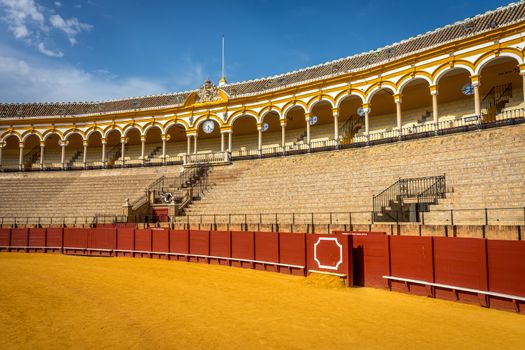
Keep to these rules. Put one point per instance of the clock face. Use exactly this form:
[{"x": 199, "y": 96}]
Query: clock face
[
  {"x": 208, "y": 126},
  {"x": 467, "y": 89},
  {"x": 265, "y": 127}
]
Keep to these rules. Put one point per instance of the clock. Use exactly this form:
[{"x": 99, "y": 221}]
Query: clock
[
  {"x": 361, "y": 112},
  {"x": 265, "y": 127},
  {"x": 208, "y": 126},
  {"x": 467, "y": 89},
  {"x": 313, "y": 120}
]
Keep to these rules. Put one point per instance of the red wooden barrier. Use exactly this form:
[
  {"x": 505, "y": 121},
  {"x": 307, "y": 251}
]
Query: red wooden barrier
[
  {"x": 331, "y": 254},
  {"x": 370, "y": 259},
  {"x": 19, "y": 238},
  {"x": 75, "y": 240},
  {"x": 37, "y": 239},
  {"x": 143, "y": 243},
  {"x": 199, "y": 245},
  {"x": 243, "y": 248},
  {"x": 125, "y": 241},
  {"x": 293, "y": 252},
  {"x": 161, "y": 242},
  {"x": 54, "y": 239},
  {"x": 179, "y": 243},
  {"x": 506, "y": 271},
  {"x": 220, "y": 246},
  {"x": 5, "y": 239},
  {"x": 266, "y": 249},
  {"x": 459, "y": 262},
  {"x": 101, "y": 241}
]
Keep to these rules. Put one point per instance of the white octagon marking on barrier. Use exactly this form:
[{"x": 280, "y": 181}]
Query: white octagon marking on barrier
[{"x": 340, "y": 253}]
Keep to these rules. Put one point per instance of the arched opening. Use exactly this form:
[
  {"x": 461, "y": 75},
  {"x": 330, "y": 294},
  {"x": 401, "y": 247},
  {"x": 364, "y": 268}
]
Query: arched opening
[
  {"x": 94, "y": 149},
  {"x": 113, "y": 147},
  {"x": 350, "y": 122},
  {"x": 382, "y": 115},
  {"x": 32, "y": 152},
  {"x": 74, "y": 151},
  {"x": 455, "y": 99},
  {"x": 501, "y": 88},
  {"x": 295, "y": 126},
  {"x": 177, "y": 144},
  {"x": 271, "y": 131},
  {"x": 133, "y": 150},
  {"x": 153, "y": 149},
  {"x": 52, "y": 152},
  {"x": 208, "y": 136},
  {"x": 323, "y": 128},
  {"x": 416, "y": 103},
  {"x": 245, "y": 139},
  {"x": 11, "y": 152}
]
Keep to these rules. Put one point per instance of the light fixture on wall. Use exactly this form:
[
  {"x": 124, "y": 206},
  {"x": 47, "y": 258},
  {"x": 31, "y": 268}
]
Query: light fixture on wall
[{"x": 467, "y": 89}]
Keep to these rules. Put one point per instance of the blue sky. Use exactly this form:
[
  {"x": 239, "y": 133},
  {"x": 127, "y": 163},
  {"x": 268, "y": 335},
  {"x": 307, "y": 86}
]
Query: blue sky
[{"x": 77, "y": 50}]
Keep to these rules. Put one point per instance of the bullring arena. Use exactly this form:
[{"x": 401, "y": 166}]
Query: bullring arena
[{"x": 375, "y": 201}]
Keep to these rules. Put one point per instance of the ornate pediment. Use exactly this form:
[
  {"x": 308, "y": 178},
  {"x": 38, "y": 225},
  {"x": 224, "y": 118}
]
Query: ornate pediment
[{"x": 208, "y": 92}]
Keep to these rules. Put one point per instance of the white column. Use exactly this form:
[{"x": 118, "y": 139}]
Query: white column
[
  {"x": 259, "y": 143},
  {"x": 188, "y": 149},
  {"x": 335, "y": 113},
  {"x": 283, "y": 133},
  {"x": 122, "y": 151},
  {"x": 195, "y": 144},
  {"x": 164, "y": 137},
  {"x": 366, "y": 108},
  {"x": 42, "y": 153},
  {"x": 2, "y": 145},
  {"x": 477, "y": 103},
  {"x": 523, "y": 83},
  {"x": 104, "y": 152},
  {"x": 84, "y": 156},
  {"x": 63, "y": 144},
  {"x": 222, "y": 141},
  {"x": 230, "y": 146},
  {"x": 307, "y": 119},
  {"x": 21, "y": 156},
  {"x": 143, "y": 148},
  {"x": 435, "y": 112},
  {"x": 397, "y": 100}
]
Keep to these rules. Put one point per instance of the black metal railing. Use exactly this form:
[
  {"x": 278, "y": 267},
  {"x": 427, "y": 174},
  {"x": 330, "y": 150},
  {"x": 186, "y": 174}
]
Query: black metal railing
[{"x": 428, "y": 188}]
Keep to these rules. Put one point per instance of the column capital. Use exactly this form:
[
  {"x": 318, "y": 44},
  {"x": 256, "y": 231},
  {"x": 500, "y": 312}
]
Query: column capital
[
  {"x": 366, "y": 107},
  {"x": 226, "y": 129},
  {"x": 103, "y": 141},
  {"x": 42, "y": 143},
  {"x": 307, "y": 116},
  {"x": 282, "y": 122},
  {"x": 433, "y": 89},
  {"x": 165, "y": 137},
  {"x": 397, "y": 98},
  {"x": 63, "y": 143},
  {"x": 259, "y": 126},
  {"x": 475, "y": 80},
  {"x": 124, "y": 140},
  {"x": 2, "y": 144},
  {"x": 85, "y": 143},
  {"x": 335, "y": 112},
  {"x": 522, "y": 68},
  {"x": 21, "y": 144},
  {"x": 142, "y": 138}
]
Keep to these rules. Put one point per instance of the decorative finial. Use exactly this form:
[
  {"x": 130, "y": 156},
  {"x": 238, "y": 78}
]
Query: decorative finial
[{"x": 223, "y": 79}]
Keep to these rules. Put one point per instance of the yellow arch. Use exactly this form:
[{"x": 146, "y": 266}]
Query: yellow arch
[
  {"x": 343, "y": 95},
  {"x": 318, "y": 99},
  {"x": 8, "y": 134},
  {"x": 127, "y": 128},
  {"x": 449, "y": 66},
  {"x": 372, "y": 90},
  {"x": 407, "y": 78},
  {"x": 75, "y": 131},
  {"x": 204, "y": 117},
  {"x": 292, "y": 104},
  {"x": 30, "y": 132},
  {"x": 242, "y": 113},
  {"x": 490, "y": 56},
  {"x": 92, "y": 130},
  {"x": 175, "y": 121},
  {"x": 150, "y": 125},
  {"x": 49, "y": 132}
]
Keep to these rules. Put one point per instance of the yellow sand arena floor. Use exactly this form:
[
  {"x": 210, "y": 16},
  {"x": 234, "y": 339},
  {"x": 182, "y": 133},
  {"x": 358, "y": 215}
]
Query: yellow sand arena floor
[{"x": 54, "y": 301}]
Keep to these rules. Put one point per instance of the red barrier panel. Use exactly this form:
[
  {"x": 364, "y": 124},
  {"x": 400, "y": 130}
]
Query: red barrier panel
[
  {"x": 199, "y": 245},
  {"x": 267, "y": 249},
  {"x": 459, "y": 262},
  {"x": 37, "y": 238},
  {"x": 220, "y": 245},
  {"x": 74, "y": 239},
  {"x": 125, "y": 241},
  {"x": 330, "y": 254},
  {"x": 54, "y": 238},
  {"x": 102, "y": 238},
  {"x": 370, "y": 260},
  {"x": 143, "y": 242},
  {"x": 161, "y": 240},
  {"x": 19, "y": 237},
  {"x": 179, "y": 243},
  {"x": 5, "y": 238},
  {"x": 506, "y": 271},
  {"x": 292, "y": 251},
  {"x": 243, "y": 247}
]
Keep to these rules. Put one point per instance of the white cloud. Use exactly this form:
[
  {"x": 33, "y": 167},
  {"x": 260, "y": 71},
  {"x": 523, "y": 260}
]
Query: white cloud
[
  {"x": 33, "y": 24},
  {"x": 42, "y": 49},
  {"x": 70, "y": 26},
  {"x": 24, "y": 81}
]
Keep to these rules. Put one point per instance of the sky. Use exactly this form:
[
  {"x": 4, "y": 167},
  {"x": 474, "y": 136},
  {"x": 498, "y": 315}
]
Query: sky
[{"x": 92, "y": 50}]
